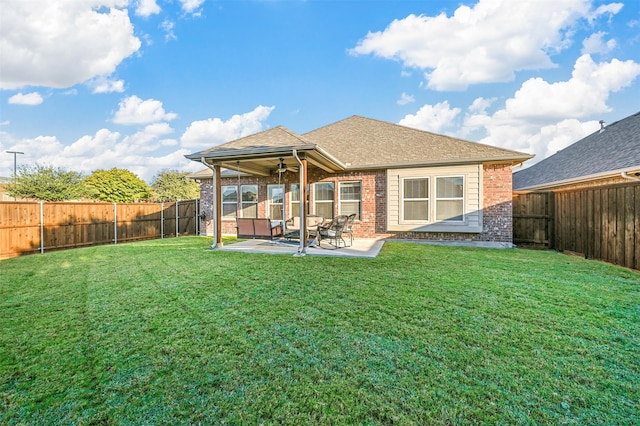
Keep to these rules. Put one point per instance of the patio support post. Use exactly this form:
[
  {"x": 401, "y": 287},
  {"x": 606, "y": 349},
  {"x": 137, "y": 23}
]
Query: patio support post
[
  {"x": 217, "y": 207},
  {"x": 302, "y": 161},
  {"x": 216, "y": 204}
]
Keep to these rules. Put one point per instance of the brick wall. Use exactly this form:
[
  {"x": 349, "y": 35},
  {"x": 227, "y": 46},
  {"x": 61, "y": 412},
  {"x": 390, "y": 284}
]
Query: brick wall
[{"x": 496, "y": 215}]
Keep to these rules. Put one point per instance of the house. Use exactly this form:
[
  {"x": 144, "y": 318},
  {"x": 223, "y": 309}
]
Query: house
[
  {"x": 400, "y": 182},
  {"x": 607, "y": 156}
]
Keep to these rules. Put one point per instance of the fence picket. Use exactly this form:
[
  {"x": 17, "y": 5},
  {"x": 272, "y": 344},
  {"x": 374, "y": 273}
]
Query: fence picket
[{"x": 31, "y": 227}]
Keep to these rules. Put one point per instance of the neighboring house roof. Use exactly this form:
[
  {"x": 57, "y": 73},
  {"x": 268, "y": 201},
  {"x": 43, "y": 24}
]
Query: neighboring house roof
[
  {"x": 607, "y": 152},
  {"x": 354, "y": 143}
]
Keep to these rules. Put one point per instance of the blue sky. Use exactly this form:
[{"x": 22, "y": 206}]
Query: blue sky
[{"x": 137, "y": 84}]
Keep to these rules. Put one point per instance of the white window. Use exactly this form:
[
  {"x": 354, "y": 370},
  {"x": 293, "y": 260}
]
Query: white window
[
  {"x": 295, "y": 200},
  {"x": 323, "y": 199},
  {"x": 415, "y": 200},
  {"x": 229, "y": 202},
  {"x": 249, "y": 201},
  {"x": 450, "y": 198},
  {"x": 350, "y": 196},
  {"x": 275, "y": 201}
]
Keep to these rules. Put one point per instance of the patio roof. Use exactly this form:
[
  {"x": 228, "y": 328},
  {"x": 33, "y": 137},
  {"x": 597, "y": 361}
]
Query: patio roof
[{"x": 260, "y": 153}]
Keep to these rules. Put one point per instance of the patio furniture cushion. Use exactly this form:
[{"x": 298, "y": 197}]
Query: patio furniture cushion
[{"x": 258, "y": 228}]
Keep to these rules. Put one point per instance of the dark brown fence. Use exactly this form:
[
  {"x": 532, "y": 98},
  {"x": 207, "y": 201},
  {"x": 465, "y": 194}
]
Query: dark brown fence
[
  {"x": 35, "y": 227},
  {"x": 599, "y": 223}
]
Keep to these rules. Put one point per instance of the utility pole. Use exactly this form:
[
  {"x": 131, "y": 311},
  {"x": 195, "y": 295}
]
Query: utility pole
[{"x": 15, "y": 164}]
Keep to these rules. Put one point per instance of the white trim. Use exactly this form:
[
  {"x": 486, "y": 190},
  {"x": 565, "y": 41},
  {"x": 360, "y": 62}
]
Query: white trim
[
  {"x": 291, "y": 201},
  {"x": 222, "y": 202},
  {"x": 359, "y": 201},
  {"x": 242, "y": 202},
  {"x": 436, "y": 199},
  {"x": 269, "y": 204},
  {"x": 579, "y": 179},
  {"x": 332, "y": 201},
  {"x": 402, "y": 200}
]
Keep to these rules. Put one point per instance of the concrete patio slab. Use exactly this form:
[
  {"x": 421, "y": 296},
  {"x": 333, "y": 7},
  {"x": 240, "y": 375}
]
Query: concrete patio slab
[{"x": 362, "y": 247}]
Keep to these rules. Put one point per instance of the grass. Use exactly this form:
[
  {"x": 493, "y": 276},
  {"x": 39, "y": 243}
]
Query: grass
[{"x": 168, "y": 332}]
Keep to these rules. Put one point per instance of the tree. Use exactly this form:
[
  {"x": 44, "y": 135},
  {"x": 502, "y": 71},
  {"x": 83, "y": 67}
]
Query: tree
[
  {"x": 172, "y": 185},
  {"x": 116, "y": 186},
  {"x": 46, "y": 183}
]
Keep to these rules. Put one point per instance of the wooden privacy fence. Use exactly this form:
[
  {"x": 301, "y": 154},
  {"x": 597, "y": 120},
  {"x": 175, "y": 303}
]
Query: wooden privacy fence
[
  {"x": 34, "y": 227},
  {"x": 599, "y": 223}
]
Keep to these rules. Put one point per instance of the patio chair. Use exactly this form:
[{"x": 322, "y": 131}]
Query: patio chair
[
  {"x": 334, "y": 231},
  {"x": 347, "y": 228}
]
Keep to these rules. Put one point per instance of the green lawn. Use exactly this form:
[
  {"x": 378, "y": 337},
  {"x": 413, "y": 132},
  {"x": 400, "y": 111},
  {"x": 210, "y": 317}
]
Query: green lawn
[{"x": 169, "y": 332}]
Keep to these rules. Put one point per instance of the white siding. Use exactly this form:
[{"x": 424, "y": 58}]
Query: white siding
[{"x": 472, "y": 222}]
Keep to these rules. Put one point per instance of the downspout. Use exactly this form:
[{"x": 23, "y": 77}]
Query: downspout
[
  {"x": 627, "y": 176},
  {"x": 214, "y": 245},
  {"x": 302, "y": 250}
]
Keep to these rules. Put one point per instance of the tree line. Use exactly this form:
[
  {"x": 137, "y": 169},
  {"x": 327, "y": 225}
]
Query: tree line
[{"x": 48, "y": 183}]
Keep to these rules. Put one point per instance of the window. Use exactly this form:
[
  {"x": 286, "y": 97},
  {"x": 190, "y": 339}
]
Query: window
[
  {"x": 450, "y": 198},
  {"x": 295, "y": 200},
  {"x": 323, "y": 199},
  {"x": 249, "y": 201},
  {"x": 275, "y": 201},
  {"x": 350, "y": 198},
  {"x": 415, "y": 199},
  {"x": 229, "y": 202}
]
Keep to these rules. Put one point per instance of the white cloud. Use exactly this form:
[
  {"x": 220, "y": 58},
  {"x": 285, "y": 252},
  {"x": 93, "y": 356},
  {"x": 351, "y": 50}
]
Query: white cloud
[
  {"x": 190, "y": 6},
  {"x": 405, "y": 99},
  {"x": 134, "y": 110},
  {"x": 32, "y": 98},
  {"x": 433, "y": 118},
  {"x": 106, "y": 85},
  {"x": 542, "y": 118},
  {"x": 167, "y": 26},
  {"x": 595, "y": 44},
  {"x": 484, "y": 43},
  {"x": 214, "y": 131},
  {"x": 63, "y": 43},
  {"x": 147, "y": 8},
  {"x": 585, "y": 93}
]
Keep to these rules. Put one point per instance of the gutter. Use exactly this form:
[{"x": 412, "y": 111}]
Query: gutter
[
  {"x": 627, "y": 176},
  {"x": 571, "y": 181},
  {"x": 214, "y": 244}
]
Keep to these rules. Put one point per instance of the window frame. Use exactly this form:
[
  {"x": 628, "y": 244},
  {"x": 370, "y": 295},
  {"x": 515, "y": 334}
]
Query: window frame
[
  {"x": 359, "y": 200},
  {"x": 436, "y": 199},
  {"x": 292, "y": 202},
  {"x": 243, "y": 202},
  {"x": 270, "y": 204},
  {"x": 222, "y": 202},
  {"x": 403, "y": 199},
  {"x": 332, "y": 201}
]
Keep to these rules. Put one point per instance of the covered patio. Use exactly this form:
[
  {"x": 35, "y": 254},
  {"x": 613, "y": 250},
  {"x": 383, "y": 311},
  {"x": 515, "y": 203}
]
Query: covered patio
[{"x": 272, "y": 153}]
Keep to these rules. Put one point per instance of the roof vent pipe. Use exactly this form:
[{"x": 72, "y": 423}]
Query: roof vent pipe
[{"x": 601, "y": 125}]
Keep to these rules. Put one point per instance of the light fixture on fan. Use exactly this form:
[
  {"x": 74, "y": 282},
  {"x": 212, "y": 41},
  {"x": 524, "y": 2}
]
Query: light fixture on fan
[{"x": 282, "y": 167}]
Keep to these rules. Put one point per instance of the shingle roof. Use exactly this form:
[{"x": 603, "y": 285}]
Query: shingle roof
[
  {"x": 614, "y": 148},
  {"x": 365, "y": 142},
  {"x": 276, "y": 137}
]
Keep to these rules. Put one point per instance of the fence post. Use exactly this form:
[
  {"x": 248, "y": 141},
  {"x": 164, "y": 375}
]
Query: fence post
[
  {"x": 41, "y": 227},
  {"x": 115, "y": 223},
  {"x": 162, "y": 220},
  {"x": 177, "y": 221},
  {"x": 197, "y": 218}
]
